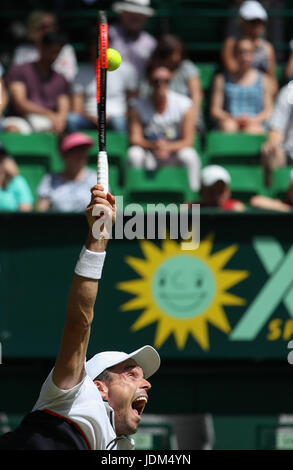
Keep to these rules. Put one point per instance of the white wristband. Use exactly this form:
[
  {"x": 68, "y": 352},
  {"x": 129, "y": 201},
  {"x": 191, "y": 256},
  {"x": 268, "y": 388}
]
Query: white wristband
[{"x": 90, "y": 264}]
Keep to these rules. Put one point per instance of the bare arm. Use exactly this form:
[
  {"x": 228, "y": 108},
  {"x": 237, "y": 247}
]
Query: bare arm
[
  {"x": 22, "y": 104},
  {"x": 136, "y": 136},
  {"x": 78, "y": 107},
  {"x": 69, "y": 366},
  {"x": 227, "y": 55},
  {"x": 217, "y": 100},
  {"x": 267, "y": 203},
  {"x": 3, "y": 97},
  {"x": 43, "y": 204}
]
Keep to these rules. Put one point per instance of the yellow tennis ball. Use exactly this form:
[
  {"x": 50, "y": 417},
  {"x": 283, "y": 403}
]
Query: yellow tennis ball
[{"x": 114, "y": 59}]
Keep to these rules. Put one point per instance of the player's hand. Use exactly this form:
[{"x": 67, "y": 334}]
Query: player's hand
[{"x": 107, "y": 209}]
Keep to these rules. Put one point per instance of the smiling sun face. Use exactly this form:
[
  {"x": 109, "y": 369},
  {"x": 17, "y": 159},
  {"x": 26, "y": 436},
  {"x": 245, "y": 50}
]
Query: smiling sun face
[{"x": 182, "y": 292}]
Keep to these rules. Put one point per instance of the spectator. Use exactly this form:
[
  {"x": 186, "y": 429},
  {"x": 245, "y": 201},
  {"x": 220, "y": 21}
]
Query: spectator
[
  {"x": 121, "y": 85},
  {"x": 186, "y": 79},
  {"x": 267, "y": 203},
  {"x": 39, "y": 95},
  {"x": 253, "y": 25},
  {"x": 15, "y": 194},
  {"x": 162, "y": 128},
  {"x": 3, "y": 96},
  {"x": 128, "y": 36},
  {"x": 215, "y": 190},
  {"x": 38, "y": 24},
  {"x": 68, "y": 190},
  {"x": 241, "y": 101},
  {"x": 277, "y": 151}
]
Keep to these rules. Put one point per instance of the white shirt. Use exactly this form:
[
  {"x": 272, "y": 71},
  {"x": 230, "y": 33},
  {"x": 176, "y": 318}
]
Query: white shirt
[
  {"x": 282, "y": 117},
  {"x": 167, "y": 124},
  {"x": 84, "y": 406},
  {"x": 119, "y": 82}
]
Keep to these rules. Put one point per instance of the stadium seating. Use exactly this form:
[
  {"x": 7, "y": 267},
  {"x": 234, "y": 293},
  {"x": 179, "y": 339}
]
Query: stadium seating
[
  {"x": 239, "y": 148},
  {"x": 167, "y": 185},
  {"x": 246, "y": 181}
]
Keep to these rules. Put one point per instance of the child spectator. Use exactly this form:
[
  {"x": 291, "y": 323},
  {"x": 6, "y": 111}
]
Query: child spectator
[
  {"x": 68, "y": 190},
  {"x": 241, "y": 100},
  {"x": 215, "y": 190},
  {"x": 267, "y": 203},
  {"x": 128, "y": 36},
  {"x": 15, "y": 193},
  {"x": 39, "y": 95},
  {"x": 38, "y": 24},
  {"x": 121, "y": 85},
  {"x": 162, "y": 128},
  {"x": 253, "y": 25}
]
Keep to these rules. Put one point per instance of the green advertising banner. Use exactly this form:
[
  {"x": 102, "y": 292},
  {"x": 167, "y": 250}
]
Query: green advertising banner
[{"x": 232, "y": 297}]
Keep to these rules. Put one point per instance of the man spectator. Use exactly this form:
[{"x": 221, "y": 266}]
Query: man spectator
[
  {"x": 277, "y": 151},
  {"x": 162, "y": 128},
  {"x": 128, "y": 36},
  {"x": 39, "y": 95},
  {"x": 121, "y": 85}
]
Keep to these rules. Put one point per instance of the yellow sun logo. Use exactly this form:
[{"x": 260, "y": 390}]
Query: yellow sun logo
[{"x": 182, "y": 291}]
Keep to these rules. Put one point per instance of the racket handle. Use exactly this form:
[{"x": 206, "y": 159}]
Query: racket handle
[{"x": 103, "y": 171}]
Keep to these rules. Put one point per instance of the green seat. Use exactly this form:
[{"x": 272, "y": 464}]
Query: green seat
[
  {"x": 9, "y": 421},
  {"x": 281, "y": 181},
  {"x": 33, "y": 174},
  {"x": 37, "y": 145},
  {"x": 207, "y": 72},
  {"x": 155, "y": 436},
  {"x": 246, "y": 181},
  {"x": 166, "y": 185},
  {"x": 116, "y": 145},
  {"x": 236, "y": 148}
]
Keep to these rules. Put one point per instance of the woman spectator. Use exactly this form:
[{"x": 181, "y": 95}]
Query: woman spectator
[
  {"x": 38, "y": 24},
  {"x": 162, "y": 128},
  {"x": 170, "y": 52},
  {"x": 241, "y": 100},
  {"x": 68, "y": 190},
  {"x": 15, "y": 194},
  {"x": 253, "y": 19}
]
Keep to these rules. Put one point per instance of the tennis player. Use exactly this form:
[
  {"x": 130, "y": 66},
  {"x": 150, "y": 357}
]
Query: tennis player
[{"x": 96, "y": 404}]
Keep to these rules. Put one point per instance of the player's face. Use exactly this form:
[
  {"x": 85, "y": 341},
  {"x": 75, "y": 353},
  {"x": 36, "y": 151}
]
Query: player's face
[{"x": 127, "y": 394}]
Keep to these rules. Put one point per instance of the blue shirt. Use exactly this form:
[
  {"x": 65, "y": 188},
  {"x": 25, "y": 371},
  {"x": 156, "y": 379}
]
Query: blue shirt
[
  {"x": 17, "y": 192},
  {"x": 241, "y": 99}
]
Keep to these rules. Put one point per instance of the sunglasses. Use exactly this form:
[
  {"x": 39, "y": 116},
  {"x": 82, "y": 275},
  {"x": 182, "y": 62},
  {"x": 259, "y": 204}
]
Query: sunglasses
[{"x": 159, "y": 81}]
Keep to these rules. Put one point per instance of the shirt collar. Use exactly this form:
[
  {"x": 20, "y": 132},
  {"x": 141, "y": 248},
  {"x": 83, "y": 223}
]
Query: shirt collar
[{"x": 123, "y": 442}]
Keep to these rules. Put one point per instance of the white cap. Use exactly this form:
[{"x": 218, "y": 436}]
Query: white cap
[
  {"x": 134, "y": 6},
  {"x": 213, "y": 173},
  {"x": 252, "y": 10},
  {"x": 146, "y": 357}
]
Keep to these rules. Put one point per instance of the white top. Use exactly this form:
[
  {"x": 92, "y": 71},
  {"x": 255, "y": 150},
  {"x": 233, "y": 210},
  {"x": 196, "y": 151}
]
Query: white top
[
  {"x": 84, "y": 406},
  {"x": 65, "y": 195},
  {"x": 167, "y": 124},
  {"x": 282, "y": 117},
  {"x": 119, "y": 82},
  {"x": 65, "y": 64}
]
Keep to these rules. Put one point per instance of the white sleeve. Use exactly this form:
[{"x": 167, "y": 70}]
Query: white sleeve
[
  {"x": 44, "y": 189},
  {"x": 52, "y": 396}
]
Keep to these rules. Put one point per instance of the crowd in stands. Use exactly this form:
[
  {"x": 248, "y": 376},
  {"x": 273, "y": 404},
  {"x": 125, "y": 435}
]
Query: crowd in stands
[{"x": 155, "y": 97}]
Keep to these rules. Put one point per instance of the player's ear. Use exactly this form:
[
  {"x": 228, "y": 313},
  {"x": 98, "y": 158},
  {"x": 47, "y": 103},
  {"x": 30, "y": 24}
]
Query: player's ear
[{"x": 103, "y": 389}]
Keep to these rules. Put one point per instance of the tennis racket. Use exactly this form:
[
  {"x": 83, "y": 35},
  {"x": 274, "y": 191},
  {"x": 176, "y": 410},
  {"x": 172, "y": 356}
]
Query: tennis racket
[{"x": 101, "y": 79}]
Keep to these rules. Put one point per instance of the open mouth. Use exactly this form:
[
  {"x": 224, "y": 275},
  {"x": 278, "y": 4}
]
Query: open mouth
[{"x": 138, "y": 404}]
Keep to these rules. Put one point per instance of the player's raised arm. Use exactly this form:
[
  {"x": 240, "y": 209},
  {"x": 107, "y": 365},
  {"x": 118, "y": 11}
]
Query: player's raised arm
[{"x": 69, "y": 366}]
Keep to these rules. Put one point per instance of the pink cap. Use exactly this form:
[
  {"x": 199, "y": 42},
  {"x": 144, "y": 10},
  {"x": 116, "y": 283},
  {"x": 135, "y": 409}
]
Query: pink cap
[{"x": 76, "y": 139}]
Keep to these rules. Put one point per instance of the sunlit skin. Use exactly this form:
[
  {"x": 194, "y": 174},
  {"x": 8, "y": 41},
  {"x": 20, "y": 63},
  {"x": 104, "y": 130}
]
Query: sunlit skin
[
  {"x": 75, "y": 161},
  {"x": 132, "y": 23},
  {"x": 127, "y": 384}
]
